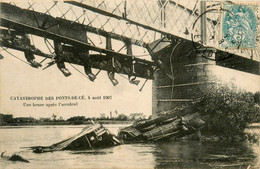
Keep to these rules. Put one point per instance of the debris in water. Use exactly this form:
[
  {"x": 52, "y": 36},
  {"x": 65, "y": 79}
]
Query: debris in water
[
  {"x": 14, "y": 157},
  {"x": 91, "y": 137},
  {"x": 161, "y": 128}
]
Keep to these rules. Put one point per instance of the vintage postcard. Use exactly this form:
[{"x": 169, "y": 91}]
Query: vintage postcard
[{"x": 129, "y": 84}]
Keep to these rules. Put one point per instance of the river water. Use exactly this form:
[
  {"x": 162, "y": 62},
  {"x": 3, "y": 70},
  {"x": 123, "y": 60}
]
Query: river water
[{"x": 178, "y": 154}]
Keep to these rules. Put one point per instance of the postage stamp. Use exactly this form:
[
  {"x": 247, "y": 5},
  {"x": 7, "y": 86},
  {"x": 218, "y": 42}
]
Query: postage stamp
[{"x": 239, "y": 26}]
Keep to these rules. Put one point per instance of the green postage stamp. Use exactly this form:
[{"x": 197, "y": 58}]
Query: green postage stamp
[{"x": 239, "y": 26}]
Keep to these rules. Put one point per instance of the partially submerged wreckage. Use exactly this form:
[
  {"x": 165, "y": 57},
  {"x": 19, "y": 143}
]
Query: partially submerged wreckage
[
  {"x": 95, "y": 136},
  {"x": 14, "y": 157},
  {"x": 91, "y": 137},
  {"x": 161, "y": 128}
]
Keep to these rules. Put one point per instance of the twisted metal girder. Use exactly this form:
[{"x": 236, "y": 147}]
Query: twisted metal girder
[{"x": 46, "y": 26}]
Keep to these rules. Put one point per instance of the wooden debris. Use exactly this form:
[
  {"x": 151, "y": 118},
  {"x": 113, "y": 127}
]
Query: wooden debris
[
  {"x": 91, "y": 137},
  {"x": 161, "y": 128}
]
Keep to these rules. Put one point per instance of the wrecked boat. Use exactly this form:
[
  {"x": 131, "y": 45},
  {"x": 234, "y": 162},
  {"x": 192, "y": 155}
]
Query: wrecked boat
[
  {"x": 93, "y": 136},
  {"x": 161, "y": 128}
]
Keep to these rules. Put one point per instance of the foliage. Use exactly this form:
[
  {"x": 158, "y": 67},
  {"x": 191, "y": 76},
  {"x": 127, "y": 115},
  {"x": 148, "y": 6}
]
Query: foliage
[
  {"x": 102, "y": 116},
  {"x": 257, "y": 98},
  {"x": 77, "y": 118},
  {"x": 5, "y": 119},
  {"x": 122, "y": 117},
  {"x": 54, "y": 116},
  {"x": 227, "y": 111}
]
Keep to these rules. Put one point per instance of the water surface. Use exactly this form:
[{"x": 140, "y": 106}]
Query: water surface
[{"x": 178, "y": 154}]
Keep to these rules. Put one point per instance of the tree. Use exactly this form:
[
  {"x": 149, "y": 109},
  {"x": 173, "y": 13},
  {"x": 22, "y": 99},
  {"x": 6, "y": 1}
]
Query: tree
[
  {"x": 77, "y": 118},
  {"x": 54, "y": 116},
  {"x": 6, "y": 119},
  {"x": 122, "y": 117},
  {"x": 102, "y": 116},
  {"x": 227, "y": 110},
  {"x": 60, "y": 119}
]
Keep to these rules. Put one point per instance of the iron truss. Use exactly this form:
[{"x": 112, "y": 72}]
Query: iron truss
[
  {"x": 149, "y": 25},
  {"x": 71, "y": 44}
]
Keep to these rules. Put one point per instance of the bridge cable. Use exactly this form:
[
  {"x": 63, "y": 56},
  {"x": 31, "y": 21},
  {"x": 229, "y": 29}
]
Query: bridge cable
[
  {"x": 172, "y": 69},
  {"x": 78, "y": 71},
  {"x": 15, "y": 56},
  {"x": 123, "y": 76}
]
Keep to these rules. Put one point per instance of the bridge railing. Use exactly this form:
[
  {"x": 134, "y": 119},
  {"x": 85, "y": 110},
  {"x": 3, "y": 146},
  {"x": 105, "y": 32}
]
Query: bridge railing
[{"x": 144, "y": 21}]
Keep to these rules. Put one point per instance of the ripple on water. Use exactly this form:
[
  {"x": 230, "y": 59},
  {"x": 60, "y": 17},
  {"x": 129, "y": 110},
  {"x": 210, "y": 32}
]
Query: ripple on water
[{"x": 189, "y": 154}]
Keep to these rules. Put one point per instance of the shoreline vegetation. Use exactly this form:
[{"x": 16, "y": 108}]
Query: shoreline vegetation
[
  {"x": 69, "y": 123},
  {"x": 250, "y": 126},
  {"x": 226, "y": 110},
  {"x": 9, "y": 120}
]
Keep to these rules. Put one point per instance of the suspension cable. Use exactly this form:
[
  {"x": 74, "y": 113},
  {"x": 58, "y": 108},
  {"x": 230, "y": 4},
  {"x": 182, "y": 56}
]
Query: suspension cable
[
  {"x": 123, "y": 76},
  {"x": 172, "y": 70},
  {"x": 15, "y": 56},
  {"x": 45, "y": 41},
  {"x": 79, "y": 71}
]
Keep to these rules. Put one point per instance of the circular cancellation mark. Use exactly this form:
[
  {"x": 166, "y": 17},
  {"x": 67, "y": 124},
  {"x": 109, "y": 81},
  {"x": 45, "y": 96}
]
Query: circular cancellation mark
[{"x": 206, "y": 51}]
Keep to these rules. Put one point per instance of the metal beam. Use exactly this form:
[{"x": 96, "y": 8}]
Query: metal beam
[
  {"x": 103, "y": 62},
  {"x": 109, "y": 14},
  {"x": 58, "y": 29},
  {"x": 73, "y": 54},
  {"x": 102, "y": 12},
  {"x": 78, "y": 30},
  {"x": 9, "y": 39}
]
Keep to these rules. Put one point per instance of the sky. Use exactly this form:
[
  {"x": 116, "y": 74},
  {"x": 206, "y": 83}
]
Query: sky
[{"x": 20, "y": 79}]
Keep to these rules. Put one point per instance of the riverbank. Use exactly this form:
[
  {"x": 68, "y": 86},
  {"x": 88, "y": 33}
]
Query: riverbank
[{"x": 69, "y": 123}]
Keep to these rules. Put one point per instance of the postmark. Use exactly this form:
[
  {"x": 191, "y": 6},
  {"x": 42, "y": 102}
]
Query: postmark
[
  {"x": 204, "y": 50},
  {"x": 235, "y": 29},
  {"x": 239, "y": 26}
]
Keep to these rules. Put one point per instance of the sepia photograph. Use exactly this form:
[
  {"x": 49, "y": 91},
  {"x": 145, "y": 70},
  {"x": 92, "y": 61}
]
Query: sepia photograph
[{"x": 138, "y": 84}]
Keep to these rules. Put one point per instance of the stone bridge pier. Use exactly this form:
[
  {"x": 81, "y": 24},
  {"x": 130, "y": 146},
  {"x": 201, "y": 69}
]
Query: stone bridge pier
[{"x": 186, "y": 74}]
